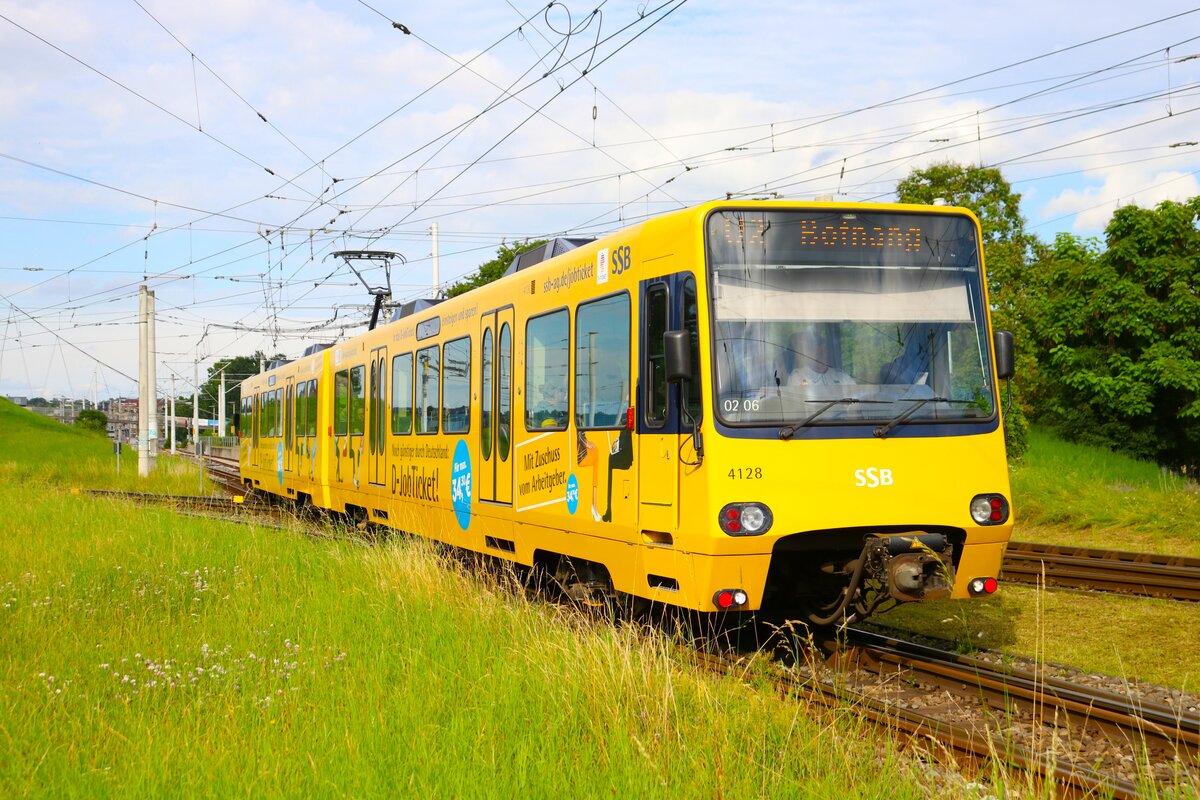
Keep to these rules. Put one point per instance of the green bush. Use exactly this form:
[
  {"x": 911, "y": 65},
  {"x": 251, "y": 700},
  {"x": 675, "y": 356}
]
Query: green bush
[
  {"x": 92, "y": 420},
  {"x": 1016, "y": 426}
]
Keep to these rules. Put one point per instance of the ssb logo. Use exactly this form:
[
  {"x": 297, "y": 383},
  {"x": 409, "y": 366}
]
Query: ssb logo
[
  {"x": 873, "y": 477},
  {"x": 622, "y": 260}
]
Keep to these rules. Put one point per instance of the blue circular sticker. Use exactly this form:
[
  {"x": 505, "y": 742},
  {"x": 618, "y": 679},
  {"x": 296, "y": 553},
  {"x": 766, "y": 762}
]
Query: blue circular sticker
[
  {"x": 572, "y": 493},
  {"x": 460, "y": 484}
]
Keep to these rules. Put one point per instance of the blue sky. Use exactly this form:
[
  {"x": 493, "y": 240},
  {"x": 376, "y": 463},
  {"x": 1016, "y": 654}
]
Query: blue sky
[{"x": 133, "y": 147}]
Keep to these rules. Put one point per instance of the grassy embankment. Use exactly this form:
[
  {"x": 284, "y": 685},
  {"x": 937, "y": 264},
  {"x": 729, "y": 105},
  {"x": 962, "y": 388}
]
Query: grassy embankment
[
  {"x": 40, "y": 454},
  {"x": 1071, "y": 494},
  {"x": 144, "y": 653}
]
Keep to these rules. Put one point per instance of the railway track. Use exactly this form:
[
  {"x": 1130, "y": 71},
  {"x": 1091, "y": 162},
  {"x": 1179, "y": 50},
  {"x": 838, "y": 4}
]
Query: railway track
[
  {"x": 1096, "y": 742},
  {"x": 226, "y": 473},
  {"x": 1130, "y": 724},
  {"x": 223, "y": 471},
  {"x": 1143, "y": 574},
  {"x": 1069, "y": 733},
  {"x": 188, "y": 501}
]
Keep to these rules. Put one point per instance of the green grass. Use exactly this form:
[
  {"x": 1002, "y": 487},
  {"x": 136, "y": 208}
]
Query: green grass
[
  {"x": 37, "y": 451},
  {"x": 1066, "y": 493},
  {"x": 145, "y": 654}
]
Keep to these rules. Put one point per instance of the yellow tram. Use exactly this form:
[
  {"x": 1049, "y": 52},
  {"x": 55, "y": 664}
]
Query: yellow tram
[{"x": 743, "y": 405}]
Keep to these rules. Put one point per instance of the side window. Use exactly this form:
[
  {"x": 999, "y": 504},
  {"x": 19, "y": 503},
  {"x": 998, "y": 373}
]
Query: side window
[
  {"x": 311, "y": 427},
  {"x": 289, "y": 415},
  {"x": 428, "y": 370},
  {"x": 246, "y": 417},
  {"x": 485, "y": 394},
  {"x": 264, "y": 415},
  {"x": 272, "y": 412},
  {"x": 358, "y": 393},
  {"x": 656, "y": 355},
  {"x": 341, "y": 403},
  {"x": 602, "y": 363},
  {"x": 504, "y": 391},
  {"x": 373, "y": 438},
  {"x": 691, "y": 324},
  {"x": 301, "y": 414},
  {"x": 456, "y": 386},
  {"x": 402, "y": 398},
  {"x": 379, "y": 410},
  {"x": 546, "y": 371}
]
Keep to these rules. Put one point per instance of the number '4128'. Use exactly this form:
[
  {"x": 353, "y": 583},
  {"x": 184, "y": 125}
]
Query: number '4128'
[{"x": 746, "y": 473}]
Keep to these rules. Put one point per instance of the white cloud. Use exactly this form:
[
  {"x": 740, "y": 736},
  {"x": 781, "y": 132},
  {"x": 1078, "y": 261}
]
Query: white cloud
[{"x": 707, "y": 78}]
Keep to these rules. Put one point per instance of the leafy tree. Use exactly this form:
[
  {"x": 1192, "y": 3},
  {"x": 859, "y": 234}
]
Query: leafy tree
[
  {"x": 91, "y": 419},
  {"x": 981, "y": 189},
  {"x": 495, "y": 268},
  {"x": 1007, "y": 247},
  {"x": 237, "y": 369},
  {"x": 1117, "y": 331}
]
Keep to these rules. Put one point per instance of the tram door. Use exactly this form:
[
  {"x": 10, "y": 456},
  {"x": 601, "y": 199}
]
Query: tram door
[
  {"x": 289, "y": 418},
  {"x": 666, "y": 410},
  {"x": 377, "y": 418},
  {"x": 495, "y": 403}
]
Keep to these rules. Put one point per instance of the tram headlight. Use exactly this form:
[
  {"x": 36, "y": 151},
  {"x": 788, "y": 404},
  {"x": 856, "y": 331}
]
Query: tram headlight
[
  {"x": 745, "y": 519},
  {"x": 753, "y": 519},
  {"x": 989, "y": 509}
]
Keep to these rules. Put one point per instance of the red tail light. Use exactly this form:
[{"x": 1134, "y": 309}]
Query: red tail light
[{"x": 726, "y": 599}]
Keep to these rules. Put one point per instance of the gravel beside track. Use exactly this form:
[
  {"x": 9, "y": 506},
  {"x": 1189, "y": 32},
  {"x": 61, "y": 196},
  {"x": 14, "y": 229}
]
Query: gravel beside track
[{"x": 1089, "y": 731}]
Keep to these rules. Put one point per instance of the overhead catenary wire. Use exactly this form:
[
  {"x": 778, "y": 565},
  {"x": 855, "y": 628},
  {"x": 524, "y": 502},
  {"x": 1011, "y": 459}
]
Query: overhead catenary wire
[
  {"x": 215, "y": 74},
  {"x": 520, "y": 124},
  {"x": 431, "y": 205},
  {"x": 142, "y": 97}
]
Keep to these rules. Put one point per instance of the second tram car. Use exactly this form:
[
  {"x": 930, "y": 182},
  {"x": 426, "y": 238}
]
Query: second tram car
[{"x": 739, "y": 406}]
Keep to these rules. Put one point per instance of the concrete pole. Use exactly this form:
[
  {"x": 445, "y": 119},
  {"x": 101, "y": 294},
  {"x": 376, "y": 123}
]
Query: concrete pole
[
  {"x": 152, "y": 379},
  {"x": 196, "y": 407},
  {"x": 143, "y": 384},
  {"x": 221, "y": 410},
  {"x": 171, "y": 428}
]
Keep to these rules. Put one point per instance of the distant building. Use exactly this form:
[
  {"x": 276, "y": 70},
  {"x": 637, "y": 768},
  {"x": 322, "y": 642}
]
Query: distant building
[{"x": 122, "y": 418}]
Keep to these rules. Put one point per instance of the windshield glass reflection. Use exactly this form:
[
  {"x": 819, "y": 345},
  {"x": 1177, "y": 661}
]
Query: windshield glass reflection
[{"x": 876, "y": 309}]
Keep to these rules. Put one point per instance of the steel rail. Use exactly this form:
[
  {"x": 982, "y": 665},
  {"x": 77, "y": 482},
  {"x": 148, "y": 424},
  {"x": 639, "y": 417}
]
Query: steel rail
[
  {"x": 1136, "y": 725},
  {"x": 1143, "y": 574},
  {"x": 181, "y": 500},
  {"x": 966, "y": 740}
]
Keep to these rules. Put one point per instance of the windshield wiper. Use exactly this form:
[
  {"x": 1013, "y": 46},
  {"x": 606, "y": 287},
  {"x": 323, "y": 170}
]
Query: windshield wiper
[
  {"x": 917, "y": 405},
  {"x": 787, "y": 431}
]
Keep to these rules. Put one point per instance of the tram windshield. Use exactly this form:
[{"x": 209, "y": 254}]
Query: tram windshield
[{"x": 837, "y": 317}]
